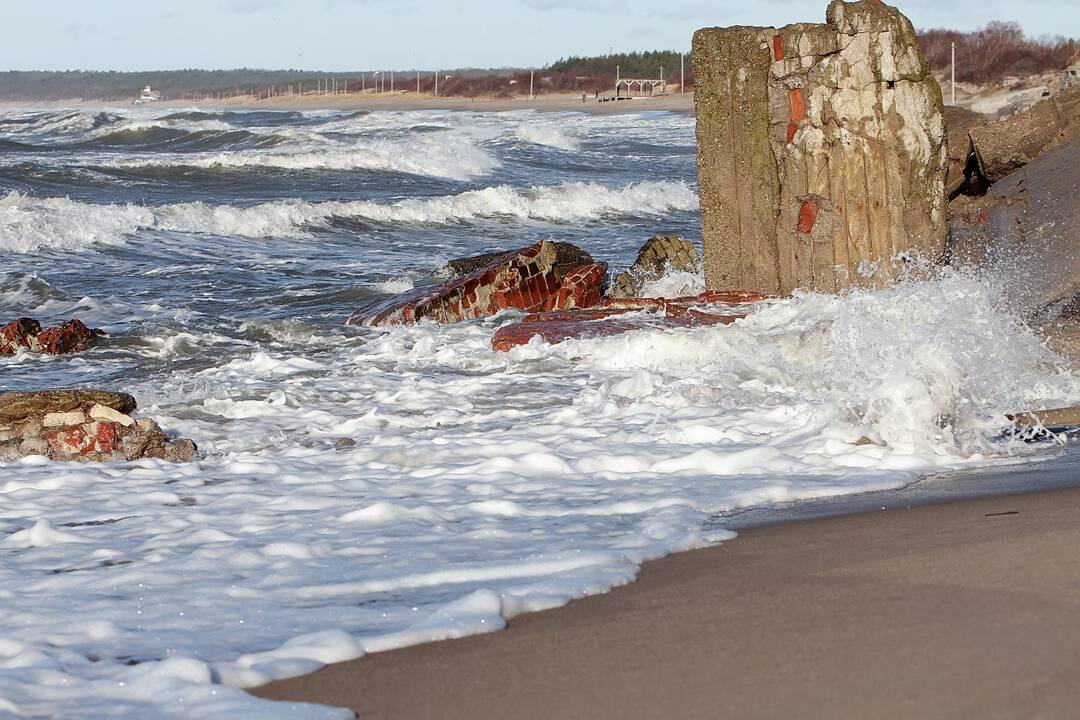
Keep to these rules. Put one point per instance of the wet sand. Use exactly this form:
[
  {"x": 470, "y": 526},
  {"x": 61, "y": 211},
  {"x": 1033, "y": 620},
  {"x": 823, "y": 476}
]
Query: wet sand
[{"x": 960, "y": 609}]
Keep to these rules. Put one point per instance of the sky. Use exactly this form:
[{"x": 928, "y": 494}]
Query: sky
[{"x": 425, "y": 34}]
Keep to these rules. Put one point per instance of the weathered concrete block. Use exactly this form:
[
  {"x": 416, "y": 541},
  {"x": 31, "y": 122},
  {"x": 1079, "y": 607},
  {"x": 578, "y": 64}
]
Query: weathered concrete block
[
  {"x": 581, "y": 287},
  {"x": 1024, "y": 233},
  {"x": 82, "y": 425},
  {"x": 567, "y": 257},
  {"x": 522, "y": 279},
  {"x": 533, "y": 279},
  {"x": 1007, "y": 145},
  {"x": 567, "y": 326},
  {"x": 26, "y": 333},
  {"x": 654, "y": 258},
  {"x": 64, "y": 419},
  {"x": 821, "y": 151}
]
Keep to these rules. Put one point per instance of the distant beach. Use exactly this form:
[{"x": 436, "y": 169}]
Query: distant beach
[{"x": 409, "y": 101}]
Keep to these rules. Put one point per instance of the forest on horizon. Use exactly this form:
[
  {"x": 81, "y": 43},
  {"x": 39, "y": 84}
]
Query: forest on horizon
[{"x": 985, "y": 56}]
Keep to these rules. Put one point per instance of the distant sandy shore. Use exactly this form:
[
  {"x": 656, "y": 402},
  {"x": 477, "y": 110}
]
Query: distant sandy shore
[
  {"x": 411, "y": 101},
  {"x": 959, "y": 610}
]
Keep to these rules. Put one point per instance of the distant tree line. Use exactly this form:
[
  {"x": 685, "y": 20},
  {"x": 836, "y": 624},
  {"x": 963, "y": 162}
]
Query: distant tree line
[
  {"x": 995, "y": 52},
  {"x": 989, "y": 55}
]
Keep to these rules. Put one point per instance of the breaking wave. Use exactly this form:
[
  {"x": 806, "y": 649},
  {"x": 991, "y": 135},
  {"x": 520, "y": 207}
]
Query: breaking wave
[
  {"x": 29, "y": 224},
  {"x": 449, "y": 155},
  {"x": 547, "y": 135},
  {"x": 69, "y": 122}
]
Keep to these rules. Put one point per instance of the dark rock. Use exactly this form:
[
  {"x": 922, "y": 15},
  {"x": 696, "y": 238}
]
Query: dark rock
[
  {"x": 963, "y": 167},
  {"x": 655, "y": 257}
]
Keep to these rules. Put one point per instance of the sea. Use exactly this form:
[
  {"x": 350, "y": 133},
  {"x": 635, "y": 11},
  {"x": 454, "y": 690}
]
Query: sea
[{"x": 362, "y": 489}]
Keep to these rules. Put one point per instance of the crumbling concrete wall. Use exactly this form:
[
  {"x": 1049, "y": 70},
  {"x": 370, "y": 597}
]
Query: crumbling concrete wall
[{"x": 821, "y": 151}]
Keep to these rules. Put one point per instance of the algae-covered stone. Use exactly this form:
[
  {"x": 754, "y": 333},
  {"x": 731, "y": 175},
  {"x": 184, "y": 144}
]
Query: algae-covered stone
[{"x": 821, "y": 151}]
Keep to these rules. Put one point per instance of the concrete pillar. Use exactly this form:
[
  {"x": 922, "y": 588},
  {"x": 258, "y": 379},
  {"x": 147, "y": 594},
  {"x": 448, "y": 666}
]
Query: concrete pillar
[{"x": 821, "y": 151}]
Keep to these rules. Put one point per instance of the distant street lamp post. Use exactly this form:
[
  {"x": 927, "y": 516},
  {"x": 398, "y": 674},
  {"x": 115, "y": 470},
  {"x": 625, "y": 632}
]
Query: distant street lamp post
[{"x": 952, "y": 84}]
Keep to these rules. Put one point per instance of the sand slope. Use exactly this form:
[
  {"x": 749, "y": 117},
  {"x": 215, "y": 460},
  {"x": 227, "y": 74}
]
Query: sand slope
[{"x": 966, "y": 609}]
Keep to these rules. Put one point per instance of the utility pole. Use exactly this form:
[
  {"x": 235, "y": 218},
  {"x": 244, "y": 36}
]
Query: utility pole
[
  {"x": 952, "y": 84},
  {"x": 531, "y": 85},
  {"x": 391, "y": 81},
  {"x": 418, "y": 82},
  {"x": 616, "y": 81},
  {"x": 436, "y": 83},
  {"x": 682, "y": 73}
]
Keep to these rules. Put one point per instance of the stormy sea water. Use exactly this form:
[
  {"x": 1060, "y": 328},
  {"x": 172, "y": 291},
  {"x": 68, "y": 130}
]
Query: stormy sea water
[{"x": 363, "y": 489}]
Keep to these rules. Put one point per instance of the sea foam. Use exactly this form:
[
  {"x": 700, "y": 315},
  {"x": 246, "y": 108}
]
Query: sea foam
[{"x": 477, "y": 485}]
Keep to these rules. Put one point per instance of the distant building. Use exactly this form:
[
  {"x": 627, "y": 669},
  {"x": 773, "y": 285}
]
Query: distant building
[{"x": 148, "y": 94}]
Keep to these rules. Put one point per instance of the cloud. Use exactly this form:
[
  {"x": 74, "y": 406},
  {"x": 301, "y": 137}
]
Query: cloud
[
  {"x": 249, "y": 6},
  {"x": 595, "y": 6}
]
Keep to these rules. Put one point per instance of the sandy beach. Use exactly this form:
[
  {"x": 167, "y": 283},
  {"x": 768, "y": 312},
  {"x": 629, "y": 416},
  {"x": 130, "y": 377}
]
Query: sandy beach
[{"x": 962, "y": 609}]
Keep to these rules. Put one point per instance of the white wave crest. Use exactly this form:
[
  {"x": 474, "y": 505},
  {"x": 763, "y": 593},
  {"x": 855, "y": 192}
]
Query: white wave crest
[
  {"x": 450, "y": 155},
  {"x": 547, "y": 135},
  {"x": 164, "y": 124},
  {"x": 64, "y": 122},
  {"x": 29, "y": 224}
]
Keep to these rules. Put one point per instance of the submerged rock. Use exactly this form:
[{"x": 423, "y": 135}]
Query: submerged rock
[
  {"x": 659, "y": 254},
  {"x": 529, "y": 279},
  {"x": 83, "y": 425},
  {"x": 27, "y": 333},
  {"x": 603, "y": 320},
  {"x": 821, "y": 151}
]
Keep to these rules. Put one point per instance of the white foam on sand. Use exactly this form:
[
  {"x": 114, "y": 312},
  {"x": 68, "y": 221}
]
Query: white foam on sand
[
  {"x": 420, "y": 486},
  {"x": 29, "y": 224}
]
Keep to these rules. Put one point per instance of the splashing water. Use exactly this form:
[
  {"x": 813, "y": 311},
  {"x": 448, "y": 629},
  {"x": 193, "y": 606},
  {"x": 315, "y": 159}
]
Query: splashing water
[{"x": 363, "y": 489}]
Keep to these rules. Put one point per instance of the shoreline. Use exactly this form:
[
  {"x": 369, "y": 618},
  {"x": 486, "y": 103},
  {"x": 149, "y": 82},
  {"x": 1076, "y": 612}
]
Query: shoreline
[
  {"x": 401, "y": 101},
  {"x": 775, "y": 581}
]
